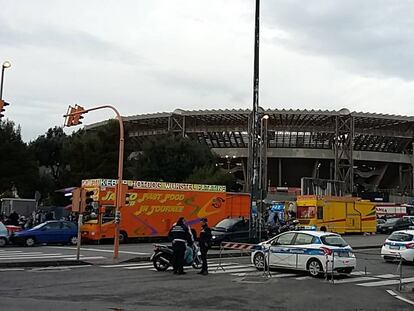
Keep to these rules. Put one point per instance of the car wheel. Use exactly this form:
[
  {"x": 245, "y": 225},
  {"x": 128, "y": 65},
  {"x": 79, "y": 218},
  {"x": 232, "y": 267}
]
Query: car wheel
[
  {"x": 314, "y": 267},
  {"x": 123, "y": 237},
  {"x": 259, "y": 261},
  {"x": 73, "y": 240},
  {"x": 3, "y": 242},
  {"x": 30, "y": 242}
]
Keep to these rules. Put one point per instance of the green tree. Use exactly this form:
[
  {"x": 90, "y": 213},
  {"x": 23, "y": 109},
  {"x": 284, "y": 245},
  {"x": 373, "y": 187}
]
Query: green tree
[
  {"x": 18, "y": 170},
  {"x": 170, "y": 158}
]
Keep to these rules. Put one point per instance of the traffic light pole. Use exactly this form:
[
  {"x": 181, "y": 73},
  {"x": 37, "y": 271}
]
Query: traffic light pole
[{"x": 120, "y": 166}]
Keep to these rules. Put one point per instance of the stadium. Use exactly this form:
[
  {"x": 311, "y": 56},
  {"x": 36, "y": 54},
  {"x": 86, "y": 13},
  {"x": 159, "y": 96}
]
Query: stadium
[{"x": 371, "y": 153}]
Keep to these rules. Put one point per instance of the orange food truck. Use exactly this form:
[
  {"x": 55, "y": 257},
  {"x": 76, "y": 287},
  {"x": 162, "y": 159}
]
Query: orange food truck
[{"x": 155, "y": 206}]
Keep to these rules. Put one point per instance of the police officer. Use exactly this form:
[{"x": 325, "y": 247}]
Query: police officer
[
  {"x": 179, "y": 235},
  {"x": 205, "y": 243}
]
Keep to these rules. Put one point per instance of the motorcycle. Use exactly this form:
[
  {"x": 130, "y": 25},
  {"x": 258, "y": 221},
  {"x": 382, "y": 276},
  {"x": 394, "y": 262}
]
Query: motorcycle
[{"x": 162, "y": 258}]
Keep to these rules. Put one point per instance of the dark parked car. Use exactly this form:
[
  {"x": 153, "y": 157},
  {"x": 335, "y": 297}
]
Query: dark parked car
[
  {"x": 230, "y": 230},
  {"x": 54, "y": 232},
  {"x": 394, "y": 224}
]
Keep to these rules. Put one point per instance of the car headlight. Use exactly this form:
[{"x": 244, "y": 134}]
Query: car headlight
[{"x": 213, "y": 237}]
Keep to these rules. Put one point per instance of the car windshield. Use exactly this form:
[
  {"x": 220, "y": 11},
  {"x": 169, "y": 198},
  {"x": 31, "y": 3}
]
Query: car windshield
[
  {"x": 333, "y": 240},
  {"x": 391, "y": 221},
  {"x": 38, "y": 226},
  {"x": 400, "y": 237},
  {"x": 226, "y": 223}
]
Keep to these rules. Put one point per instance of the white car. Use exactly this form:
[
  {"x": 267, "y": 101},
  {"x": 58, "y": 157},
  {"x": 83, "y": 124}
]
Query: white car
[
  {"x": 312, "y": 251},
  {"x": 400, "y": 244}
]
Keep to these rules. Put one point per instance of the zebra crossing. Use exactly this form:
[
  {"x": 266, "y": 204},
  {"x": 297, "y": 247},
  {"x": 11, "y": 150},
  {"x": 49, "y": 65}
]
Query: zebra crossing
[
  {"x": 21, "y": 256},
  {"x": 234, "y": 269}
]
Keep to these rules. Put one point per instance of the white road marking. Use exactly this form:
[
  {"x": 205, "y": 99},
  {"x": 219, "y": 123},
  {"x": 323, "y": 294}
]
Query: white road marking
[
  {"x": 304, "y": 278},
  {"x": 125, "y": 265},
  {"x": 283, "y": 275},
  {"x": 352, "y": 280},
  {"x": 246, "y": 269},
  {"x": 85, "y": 257},
  {"x": 99, "y": 250},
  {"x": 360, "y": 273},
  {"x": 60, "y": 267},
  {"x": 28, "y": 254},
  {"x": 388, "y": 282},
  {"x": 11, "y": 269},
  {"x": 399, "y": 297}
]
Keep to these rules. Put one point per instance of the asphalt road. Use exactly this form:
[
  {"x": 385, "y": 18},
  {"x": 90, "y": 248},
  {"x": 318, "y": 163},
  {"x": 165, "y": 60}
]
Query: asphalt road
[{"x": 135, "y": 286}]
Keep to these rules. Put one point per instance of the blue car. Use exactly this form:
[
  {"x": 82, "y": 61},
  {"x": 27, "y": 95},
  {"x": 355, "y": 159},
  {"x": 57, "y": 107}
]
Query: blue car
[{"x": 53, "y": 232}]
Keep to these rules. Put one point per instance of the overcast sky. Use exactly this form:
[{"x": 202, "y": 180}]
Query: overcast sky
[{"x": 154, "y": 56}]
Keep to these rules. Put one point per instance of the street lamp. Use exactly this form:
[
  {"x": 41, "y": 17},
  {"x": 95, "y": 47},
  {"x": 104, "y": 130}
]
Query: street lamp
[{"x": 5, "y": 65}]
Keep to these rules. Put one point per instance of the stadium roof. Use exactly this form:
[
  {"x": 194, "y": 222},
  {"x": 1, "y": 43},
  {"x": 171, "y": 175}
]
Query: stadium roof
[{"x": 286, "y": 128}]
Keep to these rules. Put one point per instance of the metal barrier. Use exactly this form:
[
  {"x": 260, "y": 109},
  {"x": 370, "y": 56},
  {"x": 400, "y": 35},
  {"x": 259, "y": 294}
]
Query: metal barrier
[
  {"x": 242, "y": 247},
  {"x": 330, "y": 272}
]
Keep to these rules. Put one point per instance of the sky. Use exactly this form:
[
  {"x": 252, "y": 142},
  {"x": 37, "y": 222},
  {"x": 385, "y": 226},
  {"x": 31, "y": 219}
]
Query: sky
[{"x": 161, "y": 55}]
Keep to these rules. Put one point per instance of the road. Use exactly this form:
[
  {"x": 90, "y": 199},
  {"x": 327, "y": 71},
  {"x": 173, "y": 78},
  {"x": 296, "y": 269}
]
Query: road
[{"x": 136, "y": 286}]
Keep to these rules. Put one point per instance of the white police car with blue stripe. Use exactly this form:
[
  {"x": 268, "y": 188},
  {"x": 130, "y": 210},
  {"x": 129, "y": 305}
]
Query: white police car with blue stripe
[
  {"x": 399, "y": 245},
  {"x": 313, "y": 251}
]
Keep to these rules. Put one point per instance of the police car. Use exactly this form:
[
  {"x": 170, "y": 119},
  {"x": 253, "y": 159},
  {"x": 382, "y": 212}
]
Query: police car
[
  {"x": 313, "y": 251},
  {"x": 399, "y": 245}
]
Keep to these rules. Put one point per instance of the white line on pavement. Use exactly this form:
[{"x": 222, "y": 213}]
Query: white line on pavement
[
  {"x": 399, "y": 297},
  {"x": 359, "y": 279},
  {"x": 234, "y": 270},
  {"x": 28, "y": 254},
  {"x": 11, "y": 269},
  {"x": 283, "y": 275},
  {"x": 60, "y": 267},
  {"x": 126, "y": 265},
  {"x": 360, "y": 273},
  {"x": 303, "y": 278},
  {"x": 99, "y": 250},
  {"x": 388, "y": 282},
  {"x": 85, "y": 258}
]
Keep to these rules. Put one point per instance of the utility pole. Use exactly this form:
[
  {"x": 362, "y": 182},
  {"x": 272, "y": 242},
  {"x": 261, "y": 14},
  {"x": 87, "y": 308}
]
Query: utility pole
[{"x": 253, "y": 137}]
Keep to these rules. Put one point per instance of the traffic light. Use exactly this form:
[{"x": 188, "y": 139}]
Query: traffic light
[
  {"x": 125, "y": 196},
  {"x": 73, "y": 119},
  {"x": 87, "y": 201},
  {"x": 2, "y": 105},
  {"x": 76, "y": 197}
]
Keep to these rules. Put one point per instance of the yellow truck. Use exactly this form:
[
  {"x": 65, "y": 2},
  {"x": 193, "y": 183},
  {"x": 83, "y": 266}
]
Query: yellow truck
[{"x": 336, "y": 214}]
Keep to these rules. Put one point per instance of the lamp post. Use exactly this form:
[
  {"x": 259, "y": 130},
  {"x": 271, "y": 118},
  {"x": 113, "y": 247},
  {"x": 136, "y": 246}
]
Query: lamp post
[
  {"x": 5, "y": 65},
  {"x": 262, "y": 156}
]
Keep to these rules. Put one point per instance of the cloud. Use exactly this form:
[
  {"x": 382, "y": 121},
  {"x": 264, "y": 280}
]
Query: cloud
[
  {"x": 368, "y": 37},
  {"x": 78, "y": 43}
]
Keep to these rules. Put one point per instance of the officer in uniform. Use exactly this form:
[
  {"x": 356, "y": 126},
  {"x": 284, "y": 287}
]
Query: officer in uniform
[
  {"x": 179, "y": 235},
  {"x": 205, "y": 243}
]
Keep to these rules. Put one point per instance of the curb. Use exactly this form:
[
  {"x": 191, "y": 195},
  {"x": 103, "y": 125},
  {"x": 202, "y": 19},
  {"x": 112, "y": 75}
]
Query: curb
[{"x": 55, "y": 263}]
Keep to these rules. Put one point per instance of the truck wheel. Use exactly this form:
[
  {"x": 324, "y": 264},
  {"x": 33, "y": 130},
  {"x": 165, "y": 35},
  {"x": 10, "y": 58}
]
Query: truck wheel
[
  {"x": 30, "y": 242},
  {"x": 123, "y": 237},
  {"x": 3, "y": 242},
  {"x": 314, "y": 267}
]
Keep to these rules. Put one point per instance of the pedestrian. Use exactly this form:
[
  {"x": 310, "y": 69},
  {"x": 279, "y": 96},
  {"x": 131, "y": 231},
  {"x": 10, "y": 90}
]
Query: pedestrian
[
  {"x": 14, "y": 219},
  {"x": 180, "y": 235},
  {"x": 205, "y": 244}
]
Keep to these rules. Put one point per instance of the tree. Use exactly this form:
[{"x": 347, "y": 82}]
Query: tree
[
  {"x": 18, "y": 170},
  {"x": 170, "y": 158}
]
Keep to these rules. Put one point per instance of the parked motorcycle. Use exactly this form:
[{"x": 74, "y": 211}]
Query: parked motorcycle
[{"x": 162, "y": 258}]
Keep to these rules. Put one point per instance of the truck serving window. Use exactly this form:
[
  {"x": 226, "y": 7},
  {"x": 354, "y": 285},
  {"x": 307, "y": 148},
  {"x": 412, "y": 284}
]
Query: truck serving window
[{"x": 306, "y": 212}]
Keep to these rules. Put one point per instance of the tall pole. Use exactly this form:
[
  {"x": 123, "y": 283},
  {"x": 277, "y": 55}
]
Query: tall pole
[{"x": 254, "y": 128}]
